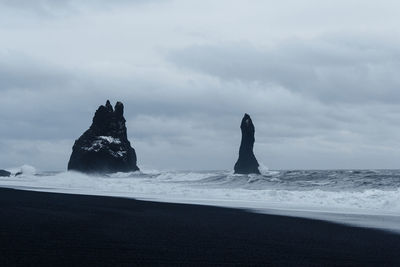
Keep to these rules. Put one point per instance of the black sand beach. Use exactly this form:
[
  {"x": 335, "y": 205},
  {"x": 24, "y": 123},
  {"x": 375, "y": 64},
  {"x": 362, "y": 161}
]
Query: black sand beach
[{"x": 39, "y": 229}]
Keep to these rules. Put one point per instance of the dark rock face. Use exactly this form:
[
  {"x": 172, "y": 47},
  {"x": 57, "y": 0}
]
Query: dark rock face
[
  {"x": 4, "y": 173},
  {"x": 104, "y": 148},
  {"x": 247, "y": 162}
]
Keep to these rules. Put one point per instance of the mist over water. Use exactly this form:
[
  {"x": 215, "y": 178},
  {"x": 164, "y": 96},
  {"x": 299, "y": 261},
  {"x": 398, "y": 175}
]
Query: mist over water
[{"x": 367, "y": 197}]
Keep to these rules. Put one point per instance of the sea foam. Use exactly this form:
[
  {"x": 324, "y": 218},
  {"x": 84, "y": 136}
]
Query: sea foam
[{"x": 370, "y": 192}]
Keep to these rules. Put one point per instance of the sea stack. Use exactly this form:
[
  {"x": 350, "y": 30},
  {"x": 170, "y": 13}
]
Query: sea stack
[
  {"x": 104, "y": 147},
  {"x": 247, "y": 162}
]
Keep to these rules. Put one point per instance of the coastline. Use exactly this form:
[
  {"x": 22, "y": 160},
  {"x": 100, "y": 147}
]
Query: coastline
[{"x": 40, "y": 228}]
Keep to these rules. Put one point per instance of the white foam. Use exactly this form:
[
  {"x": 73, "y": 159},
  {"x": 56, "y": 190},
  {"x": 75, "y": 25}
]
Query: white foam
[
  {"x": 24, "y": 169},
  {"x": 263, "y": 169},
  {"x": 110, "y": 139},
  {"x": 209, "y": 188}
]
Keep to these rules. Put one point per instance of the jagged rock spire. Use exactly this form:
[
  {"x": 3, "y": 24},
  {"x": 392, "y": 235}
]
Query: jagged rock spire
[
  {"x": 247, "y": 162},
  {"x": 104, "y": 147}
]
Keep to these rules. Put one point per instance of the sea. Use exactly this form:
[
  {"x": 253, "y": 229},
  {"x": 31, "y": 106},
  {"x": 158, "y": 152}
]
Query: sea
[{"x": 366, "y": 198}]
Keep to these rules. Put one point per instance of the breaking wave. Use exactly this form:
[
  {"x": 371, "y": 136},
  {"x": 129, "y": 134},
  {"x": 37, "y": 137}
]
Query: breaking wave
[
  {"x": 353, "y": 191},
  {"x": 369, "y": 198}
]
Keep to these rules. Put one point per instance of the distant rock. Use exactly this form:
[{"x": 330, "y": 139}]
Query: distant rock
[
  {"x": 25, "y": 170},
  {"x": 247, "y": 162},
  {"x": 4, "y": 173},
  {"x": 104, "y": 147}
]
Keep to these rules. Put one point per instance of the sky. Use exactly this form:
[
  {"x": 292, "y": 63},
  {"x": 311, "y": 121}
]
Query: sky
[{"x": 319, "y": 79}]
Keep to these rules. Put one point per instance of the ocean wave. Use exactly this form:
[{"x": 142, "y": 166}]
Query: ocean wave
[{"x": 327, "y": 191}]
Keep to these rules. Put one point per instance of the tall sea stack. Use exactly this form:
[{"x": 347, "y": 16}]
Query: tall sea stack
[
  {"x": 247, "y": 162},
  {"x": 104, "y": 147}
]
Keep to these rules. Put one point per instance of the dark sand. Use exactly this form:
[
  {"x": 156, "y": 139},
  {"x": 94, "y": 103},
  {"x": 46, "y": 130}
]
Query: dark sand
[{"x": 60, "y": 229}]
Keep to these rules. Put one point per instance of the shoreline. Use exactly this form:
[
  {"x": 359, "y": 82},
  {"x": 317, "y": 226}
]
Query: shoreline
[
  {"x": 380, "y": 221},
  {"x": 39, "y": 228}
]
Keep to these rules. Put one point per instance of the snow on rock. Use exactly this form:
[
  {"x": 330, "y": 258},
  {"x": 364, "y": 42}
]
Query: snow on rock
[{"x": 104, "y": 147}]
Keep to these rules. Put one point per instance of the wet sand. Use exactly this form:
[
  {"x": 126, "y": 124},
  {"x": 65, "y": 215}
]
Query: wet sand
[{"x": 48, "y": 229}]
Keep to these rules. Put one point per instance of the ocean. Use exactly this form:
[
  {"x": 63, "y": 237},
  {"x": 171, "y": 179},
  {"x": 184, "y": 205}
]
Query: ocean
[{"x": 368, "y": 198}]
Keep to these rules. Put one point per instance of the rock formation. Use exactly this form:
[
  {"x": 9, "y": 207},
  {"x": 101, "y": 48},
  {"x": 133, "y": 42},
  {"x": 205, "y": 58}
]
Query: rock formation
[
  {"x": 4, "y": 173},
  {"x": 247, "y": 162},
  {"x": 104, "y": 147}
]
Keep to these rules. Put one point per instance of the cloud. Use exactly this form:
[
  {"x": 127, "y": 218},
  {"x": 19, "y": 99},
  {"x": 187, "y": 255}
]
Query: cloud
[
  {"x": 43, "y": 154},
  {"x": 321, "y": 91},
  {"x": 333, "y": 69},
  {"x": 182, "y": 124},
  {"x": 52, "y": 9},
  {"x": 19, "y": 71}
]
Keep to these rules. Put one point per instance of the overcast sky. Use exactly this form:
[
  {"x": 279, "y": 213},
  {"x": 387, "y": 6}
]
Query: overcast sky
[{"x": 320, "y": 80}]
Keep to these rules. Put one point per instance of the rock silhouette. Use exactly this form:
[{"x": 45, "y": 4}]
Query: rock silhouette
[
  {"x": 4, "y": 173},
  {"x": 247, "y": 162},
  {"x": 104, "y": 147}
]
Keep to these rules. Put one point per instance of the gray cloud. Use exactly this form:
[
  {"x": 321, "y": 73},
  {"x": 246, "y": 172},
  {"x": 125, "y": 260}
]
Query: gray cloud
[
  {"x": 53, "y": 9},
  {"x": 177, "y": 126},
  {"x": 322, "y": 92},
  {"x": 330, "y": 68},
  {"x": 184, "y": 126}
]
